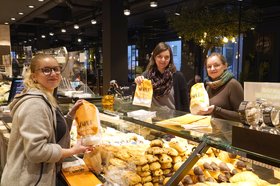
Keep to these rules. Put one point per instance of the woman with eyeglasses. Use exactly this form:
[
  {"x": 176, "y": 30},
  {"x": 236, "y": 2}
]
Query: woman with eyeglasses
[
  {"x": 169, "y": 85},
  {"x": 225, "y": 93},
  {"x": 40, "y": 137}
]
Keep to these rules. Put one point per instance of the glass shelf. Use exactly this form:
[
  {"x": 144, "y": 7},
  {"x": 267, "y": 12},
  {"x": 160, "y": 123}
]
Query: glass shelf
[{"x": 220, "y": 137}]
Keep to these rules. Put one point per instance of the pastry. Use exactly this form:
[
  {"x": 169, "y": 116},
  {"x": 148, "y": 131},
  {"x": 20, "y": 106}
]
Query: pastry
[
  {"x": 243, "y": 176},
  {"x": 177, "y": 146},
  {"x": 166, "y": 171},
  {"x": 148, "y": 184},
  {"x": 144, "y": 174},
  {"x": 177, "y": 166},
  {"x": 151, "y": 158},
  {"x": 156, "y": 143},
  {"x": 145, "y": 167},
  {"x": 171, "y": 151},
  {"x": 118, "y": 162},
  {"x": 176, "y": 159},
  {"x": 164, "y": 158},
  {"x": 158, "y": 179},
  {"x": 158, "y": 172},
  {"x": 138, "y": 160},
  {"x": 166, "y": 180},
  {"x": 155, "y": 150},
  {"x": 146, "y": 179},
  {"x": 187, "y": 180},
  {"x": 166, "y": 165},
  {"x": 155, "y": 166},
  {"x": 131, "y": 178}
]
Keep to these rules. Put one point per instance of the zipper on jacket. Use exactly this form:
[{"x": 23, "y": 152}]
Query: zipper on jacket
[{"x": 41, "y": 173}]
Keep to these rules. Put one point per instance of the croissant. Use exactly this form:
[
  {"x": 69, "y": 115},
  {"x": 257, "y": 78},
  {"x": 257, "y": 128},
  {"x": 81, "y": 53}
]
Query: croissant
[{"x": 243, "y": 176}]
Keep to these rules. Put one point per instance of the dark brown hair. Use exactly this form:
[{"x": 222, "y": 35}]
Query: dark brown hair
[{"x": 161, "y": 47}]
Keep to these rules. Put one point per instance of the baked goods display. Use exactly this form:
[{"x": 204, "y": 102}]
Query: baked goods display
[
  {"x": 154, "y": 162},
  {"x": 129, "y": 159}
]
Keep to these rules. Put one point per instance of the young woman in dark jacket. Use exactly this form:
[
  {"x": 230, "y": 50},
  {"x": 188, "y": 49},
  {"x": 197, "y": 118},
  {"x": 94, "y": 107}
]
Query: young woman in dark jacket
[{"x": 169, "y": 85}]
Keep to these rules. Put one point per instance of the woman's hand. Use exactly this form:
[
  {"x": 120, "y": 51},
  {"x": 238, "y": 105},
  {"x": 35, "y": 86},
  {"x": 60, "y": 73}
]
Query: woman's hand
[
  {"x": 78, "y": 148},
  {"x": 75, "y": 107},
  {"x": 138, "y": 80},
  {"x": 209, "y": 110}
]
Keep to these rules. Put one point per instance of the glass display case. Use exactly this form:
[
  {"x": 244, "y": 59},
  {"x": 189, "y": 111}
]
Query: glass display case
[{"x": 219, "y": 137}]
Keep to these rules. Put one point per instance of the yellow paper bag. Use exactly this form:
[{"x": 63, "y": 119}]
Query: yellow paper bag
[
  {"x": 199, "y": 98},
  {"x": 143, "y": 94},
  {"x": 88, "y": 124}
]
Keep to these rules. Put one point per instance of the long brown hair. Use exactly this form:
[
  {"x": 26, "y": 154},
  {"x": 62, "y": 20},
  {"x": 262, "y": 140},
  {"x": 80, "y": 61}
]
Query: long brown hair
[
  {"x": 29, "y": 81},
  {"x": 161, "y": 47}
]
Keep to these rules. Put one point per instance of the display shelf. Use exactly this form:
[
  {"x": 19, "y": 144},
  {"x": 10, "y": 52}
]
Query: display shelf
[{"x": 220, "y": 137}]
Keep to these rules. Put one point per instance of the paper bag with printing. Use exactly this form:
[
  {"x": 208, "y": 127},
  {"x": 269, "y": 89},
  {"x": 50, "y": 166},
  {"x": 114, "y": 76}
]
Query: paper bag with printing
[
  {"x": 143, "y": 94},
  {"x": 199, "y": 98},
  {"x": 88, "y": 124}
]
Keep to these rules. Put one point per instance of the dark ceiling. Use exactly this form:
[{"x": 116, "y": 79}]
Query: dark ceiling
[{"x": 52, "y": 15}]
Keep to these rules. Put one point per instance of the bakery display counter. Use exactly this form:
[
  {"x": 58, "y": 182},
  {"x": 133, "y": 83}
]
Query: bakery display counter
[
  {"x": 167, "y": 147},
  {"x": 206, "y": 133}
]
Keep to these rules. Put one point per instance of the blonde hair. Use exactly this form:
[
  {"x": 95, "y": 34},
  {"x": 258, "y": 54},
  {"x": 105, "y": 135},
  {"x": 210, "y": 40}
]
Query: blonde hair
[{"x": 29, "y": 81}]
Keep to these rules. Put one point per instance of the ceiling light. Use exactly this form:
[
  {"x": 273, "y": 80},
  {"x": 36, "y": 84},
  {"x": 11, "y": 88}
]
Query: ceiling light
[
  {"x": 178, "y": 10},
  {"x": 43, "y": 36},
  {"x": 41, "y": 0},
  {"x": 93, "y": 21},
  {"x": 76, "y": 26},
  {"x": 63, "y": 30},
  {"x": 153, "y": 4},
  {"x": 6, "y": 23},
  {"x": 225, "y": 40},
  {"x": 13, "y": 19},
  {"x": 20, "y": 13},
  {"x": 31, "y": 6},
  {"x": 51, "y": 34},
  {"x": 126, "y": 12},
  {"x": 79, "y": 40}
]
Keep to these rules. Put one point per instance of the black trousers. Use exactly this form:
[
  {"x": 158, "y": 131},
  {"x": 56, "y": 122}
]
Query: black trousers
[{"x": 60, "y": 181}]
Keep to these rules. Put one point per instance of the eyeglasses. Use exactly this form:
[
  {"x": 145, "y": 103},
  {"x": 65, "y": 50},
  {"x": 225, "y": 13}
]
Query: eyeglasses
[
  {"x": 48, "y": 70},
  {"x": 167, "y": 58}
]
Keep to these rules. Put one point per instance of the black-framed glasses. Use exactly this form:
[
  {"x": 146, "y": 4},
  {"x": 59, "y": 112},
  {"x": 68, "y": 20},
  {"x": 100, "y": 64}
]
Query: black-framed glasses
[{"x": 48, "y": 70}]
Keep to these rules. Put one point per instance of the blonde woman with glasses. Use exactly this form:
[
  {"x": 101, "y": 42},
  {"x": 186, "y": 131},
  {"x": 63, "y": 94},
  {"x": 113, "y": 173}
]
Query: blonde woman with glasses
[{"x": 40, "y": 137}]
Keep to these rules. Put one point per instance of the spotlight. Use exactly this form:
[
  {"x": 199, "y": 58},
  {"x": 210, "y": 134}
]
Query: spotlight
[
  {"x": 63, "y": 30},
  {"x": 93, "y": 21},
  {"x": 126, "y": 12},
  {"x": 153, "y": 4},
  {"x": 76, "y": 26}
]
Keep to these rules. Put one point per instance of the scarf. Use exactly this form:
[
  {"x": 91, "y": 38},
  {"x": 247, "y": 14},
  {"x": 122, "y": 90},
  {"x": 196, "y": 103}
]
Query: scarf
[
  {"x": 162, "y": 82},
  {"x": 223, "y": 79}
]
